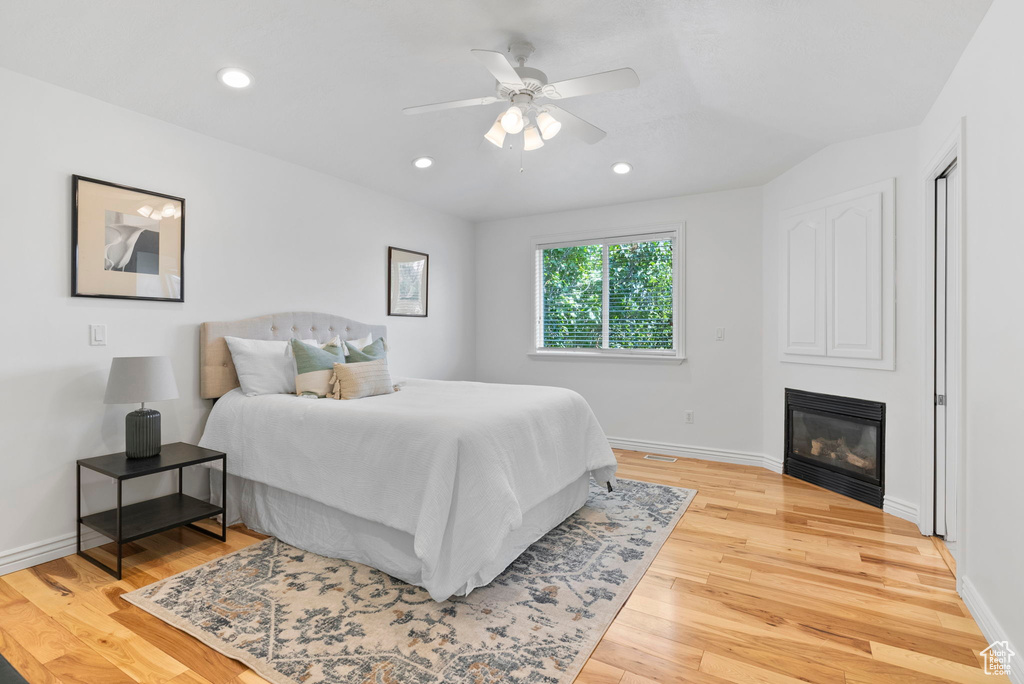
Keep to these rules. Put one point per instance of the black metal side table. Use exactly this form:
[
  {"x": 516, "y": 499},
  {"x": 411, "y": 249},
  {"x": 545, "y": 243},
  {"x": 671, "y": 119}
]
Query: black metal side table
[{"x": 124, "y": 524}]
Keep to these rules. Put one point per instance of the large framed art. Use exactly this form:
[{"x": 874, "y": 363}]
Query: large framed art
[
  {"x": 408, "y": 279},
  {"x": 126, "y": 243}
]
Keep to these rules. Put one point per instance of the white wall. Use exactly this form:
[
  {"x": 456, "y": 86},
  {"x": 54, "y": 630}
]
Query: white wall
[
  {"x": 719, "y": 381},
  {"x": 985, "y": 88},
  {"x": 262, "y": 236},
  {"x": 838, "y": 168}
]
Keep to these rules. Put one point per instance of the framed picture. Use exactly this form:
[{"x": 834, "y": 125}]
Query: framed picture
[
  {"x": 126, "y": 243},
  {"x": 407, "y": 282}
]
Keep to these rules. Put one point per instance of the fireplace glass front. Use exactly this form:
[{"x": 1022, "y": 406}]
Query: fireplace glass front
[{"x": 836, "y": 441}]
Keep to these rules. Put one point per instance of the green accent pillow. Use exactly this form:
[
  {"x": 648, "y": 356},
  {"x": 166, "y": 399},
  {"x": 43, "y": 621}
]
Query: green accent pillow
[
  {"x": 373, "y": 351},
  {"x": 314, "y": 367}
]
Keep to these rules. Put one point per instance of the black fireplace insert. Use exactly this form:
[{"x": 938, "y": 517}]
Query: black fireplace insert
[{"x": 837, "y": 443}]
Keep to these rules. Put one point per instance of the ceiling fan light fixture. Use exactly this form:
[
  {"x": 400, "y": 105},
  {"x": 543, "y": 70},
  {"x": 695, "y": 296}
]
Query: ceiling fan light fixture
[
  {"x": 496, "y": 135},
  {"x": 519, "y": 88},
  {"x": 512, "y": 120},
  {"x": 549, "y": 125},
  {"x": 622, "y": 168},
  {"x": 532, "y": 139}
]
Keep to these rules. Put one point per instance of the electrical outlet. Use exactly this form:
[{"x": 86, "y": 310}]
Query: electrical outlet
[
  {"x": 719, "y": 334},
  {"x": 687, "y": 416},
  {"x": 98, "y": 335}
]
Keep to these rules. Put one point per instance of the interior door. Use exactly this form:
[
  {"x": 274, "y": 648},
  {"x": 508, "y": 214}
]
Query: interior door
[{"x": 947, "y": 214}]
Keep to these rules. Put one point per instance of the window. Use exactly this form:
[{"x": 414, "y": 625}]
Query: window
[{"x": 614, "y": 294}]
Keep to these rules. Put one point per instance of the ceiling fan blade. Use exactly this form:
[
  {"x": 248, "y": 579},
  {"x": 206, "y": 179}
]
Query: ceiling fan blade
[
  {"x": 587, "y": 132},
  {"x": 593, "y": 84},
  {"x": 499, "y": 67},
  {"x": 450, "y": 105}
]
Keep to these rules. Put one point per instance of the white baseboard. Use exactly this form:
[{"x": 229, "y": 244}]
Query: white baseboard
[
  {"x": 45, "y": 551},
  {"x": 704, "y": 453},
  {"x": 990, "y": 627},
  {"x": 901, "y": 509},
  {"x": 898, "y": 507}
]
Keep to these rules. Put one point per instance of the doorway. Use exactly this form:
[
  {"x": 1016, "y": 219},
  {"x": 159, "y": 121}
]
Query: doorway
[{"x": 947, "y": 388}]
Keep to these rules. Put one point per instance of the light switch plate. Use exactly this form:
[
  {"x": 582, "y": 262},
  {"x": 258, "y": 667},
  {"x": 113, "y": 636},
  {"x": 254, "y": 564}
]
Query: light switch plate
[
  {"x": 98, "y": 335},
  {"x": 719, "y": 334}
]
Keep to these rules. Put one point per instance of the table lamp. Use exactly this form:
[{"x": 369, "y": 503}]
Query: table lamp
[{"x": 138, "y": 379}]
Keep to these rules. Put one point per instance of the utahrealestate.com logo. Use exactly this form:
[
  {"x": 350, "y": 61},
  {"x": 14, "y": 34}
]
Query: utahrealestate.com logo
[{"x": 997, "y": 658}]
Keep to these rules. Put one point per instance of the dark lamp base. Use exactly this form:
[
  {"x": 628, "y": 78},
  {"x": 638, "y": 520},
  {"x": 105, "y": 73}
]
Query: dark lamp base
[{"x": 142, "y": 433}]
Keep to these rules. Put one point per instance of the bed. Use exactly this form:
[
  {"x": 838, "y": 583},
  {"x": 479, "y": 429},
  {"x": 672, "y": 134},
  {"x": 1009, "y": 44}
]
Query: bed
[{"x": 441, "y": 484}]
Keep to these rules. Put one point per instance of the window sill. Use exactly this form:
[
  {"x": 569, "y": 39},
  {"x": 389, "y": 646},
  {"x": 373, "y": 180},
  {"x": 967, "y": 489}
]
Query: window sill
[{"x": 673, "y": 359}]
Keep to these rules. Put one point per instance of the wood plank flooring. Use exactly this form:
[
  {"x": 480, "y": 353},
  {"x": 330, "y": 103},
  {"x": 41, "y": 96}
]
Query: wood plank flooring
[{"x": 766, "y": 579}]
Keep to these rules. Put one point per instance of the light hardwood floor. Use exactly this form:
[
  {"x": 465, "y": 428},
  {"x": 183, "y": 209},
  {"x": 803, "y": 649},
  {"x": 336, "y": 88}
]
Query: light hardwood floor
[{"x": 766, "y": 579}]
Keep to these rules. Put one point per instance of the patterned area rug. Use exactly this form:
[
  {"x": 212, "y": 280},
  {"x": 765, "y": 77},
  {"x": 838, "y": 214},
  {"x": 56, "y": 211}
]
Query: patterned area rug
[
  {"x": 8, "y": 675},
  {"x": 293, "y": 616}
]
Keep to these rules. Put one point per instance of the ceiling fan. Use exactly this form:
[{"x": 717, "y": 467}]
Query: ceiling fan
[{"x": 523, "y": 86}]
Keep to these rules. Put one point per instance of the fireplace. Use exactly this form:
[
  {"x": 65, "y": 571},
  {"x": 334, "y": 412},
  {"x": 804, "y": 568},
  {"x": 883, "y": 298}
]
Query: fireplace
[{"x": 837, "y": 443}]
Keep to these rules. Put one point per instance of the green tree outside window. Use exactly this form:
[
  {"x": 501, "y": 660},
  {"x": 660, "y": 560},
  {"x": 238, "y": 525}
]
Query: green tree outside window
[{"x": 640, "y": 296}]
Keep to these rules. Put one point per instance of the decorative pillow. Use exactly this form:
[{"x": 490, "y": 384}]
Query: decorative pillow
[
  {"x": 358, "y": 380},
  {"x": 333, "y": 342},
  {"x": 314, "y": 367},
  {"x": 263, "y": 366},
  {"x": 371, "y": 352},
  {"x": 360, "y": 343}
]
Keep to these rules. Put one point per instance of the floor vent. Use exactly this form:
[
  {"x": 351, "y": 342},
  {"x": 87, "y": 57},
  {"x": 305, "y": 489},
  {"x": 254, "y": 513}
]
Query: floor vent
[{"x": 663, "y": 459}]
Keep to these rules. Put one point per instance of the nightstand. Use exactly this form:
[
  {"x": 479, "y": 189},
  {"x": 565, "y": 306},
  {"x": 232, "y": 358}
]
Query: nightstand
[{"x": 124, "y": 524}]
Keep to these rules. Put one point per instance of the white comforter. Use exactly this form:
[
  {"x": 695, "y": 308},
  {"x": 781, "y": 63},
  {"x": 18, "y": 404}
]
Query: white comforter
[{"x": 454, "y": 464}]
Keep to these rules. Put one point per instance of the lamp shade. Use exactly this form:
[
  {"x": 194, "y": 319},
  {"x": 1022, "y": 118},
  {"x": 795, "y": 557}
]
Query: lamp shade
[
  {"x": 512, "y": 120},
  {"x": 532, "y": 139},
  {"x": 548, "y": 125},
  {"x": 138, "y": 379},
  {"x": 497, "y": 134}
]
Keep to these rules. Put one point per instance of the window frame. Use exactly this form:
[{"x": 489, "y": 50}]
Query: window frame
[{"x": 606, "y": 237}]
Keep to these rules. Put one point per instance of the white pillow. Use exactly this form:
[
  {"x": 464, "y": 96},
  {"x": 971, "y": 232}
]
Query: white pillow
[
  {"x": 333, "y": 342},
  {"x": 359, "y": 344},
  {"x": 263, "y": 366}
]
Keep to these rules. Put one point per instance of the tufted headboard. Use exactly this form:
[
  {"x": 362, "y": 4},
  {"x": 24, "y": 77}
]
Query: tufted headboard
[{"x": 216, "y": 371}]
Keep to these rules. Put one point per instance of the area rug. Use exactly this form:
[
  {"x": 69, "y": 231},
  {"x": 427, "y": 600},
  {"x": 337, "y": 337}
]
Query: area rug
[
  {"x": 8, "y": 675},
  {"x": 296, "y": 617}
]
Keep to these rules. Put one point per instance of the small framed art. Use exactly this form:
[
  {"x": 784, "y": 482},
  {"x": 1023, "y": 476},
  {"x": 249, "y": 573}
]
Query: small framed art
[
  {"x": 126, "y": 243},
  {"x": 408, "y": 280}
]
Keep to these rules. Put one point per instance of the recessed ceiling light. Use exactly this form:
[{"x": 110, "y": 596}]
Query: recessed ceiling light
[
  {"x": 622, "y": 167},
  {"x": 423, "y": 162},
  {"x": 233, "y": 77}
]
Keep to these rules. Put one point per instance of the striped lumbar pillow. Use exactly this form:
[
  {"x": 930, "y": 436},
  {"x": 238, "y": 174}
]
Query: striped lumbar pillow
[
  {"x": 358, "y": 380},
  {"x": 314, "y": 367}
]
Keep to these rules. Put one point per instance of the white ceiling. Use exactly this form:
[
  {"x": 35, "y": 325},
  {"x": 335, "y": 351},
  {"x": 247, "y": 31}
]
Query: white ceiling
[{"x": 732, "y": 92}]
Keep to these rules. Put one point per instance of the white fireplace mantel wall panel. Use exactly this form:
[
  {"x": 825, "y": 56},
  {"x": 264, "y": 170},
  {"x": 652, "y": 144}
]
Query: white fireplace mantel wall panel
[
  {"x": 838, "y": 280},
  {"x": 804, "y": 252}
]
